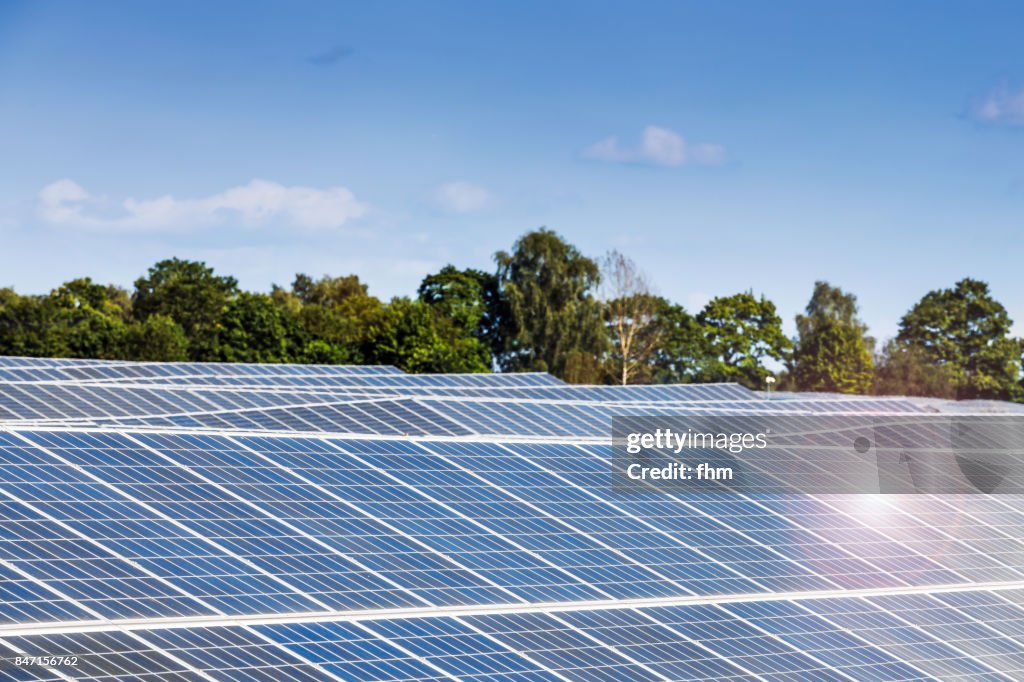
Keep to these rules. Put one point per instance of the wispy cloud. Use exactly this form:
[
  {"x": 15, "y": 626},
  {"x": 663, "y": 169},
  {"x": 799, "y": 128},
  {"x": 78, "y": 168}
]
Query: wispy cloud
[
  {"x": 658, "y": 147},
  {"x": 331, "y": 57},
  {"x": 261, "y": 202},
  {"x": 1000, "y": 106},
  {"x": 462, "y": 197}
]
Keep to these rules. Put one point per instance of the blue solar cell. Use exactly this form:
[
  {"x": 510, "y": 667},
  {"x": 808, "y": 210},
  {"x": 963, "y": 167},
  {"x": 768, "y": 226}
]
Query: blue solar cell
[
  {"x": 191, "y": 654},
  {"x": 743, "y": 644},
  {"x": 390, "y": 536},
  {"x": 352, "y": 652},
  {"x": 900, "y": 638},
  {"x": 561, "y": 648}
]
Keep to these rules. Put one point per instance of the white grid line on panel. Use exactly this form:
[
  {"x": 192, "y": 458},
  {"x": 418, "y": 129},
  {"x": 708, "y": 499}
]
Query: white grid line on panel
[
  {"x": 102, "y": 623},
  {"x": 298, "y": 531},
  {"x": 173, "y": 521},
  {"x": 566, "y": 524},
  {"x": 354, "y": 506}
]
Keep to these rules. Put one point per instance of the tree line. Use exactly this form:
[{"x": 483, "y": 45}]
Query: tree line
[{"x": 546, "y": 307}]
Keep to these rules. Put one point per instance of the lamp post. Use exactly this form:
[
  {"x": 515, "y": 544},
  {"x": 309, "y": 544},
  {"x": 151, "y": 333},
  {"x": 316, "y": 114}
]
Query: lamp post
[{"x": 769, "y": 381}]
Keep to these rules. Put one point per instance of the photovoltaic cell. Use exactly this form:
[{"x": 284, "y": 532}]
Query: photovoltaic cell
[{"x": 372, "y": 525}]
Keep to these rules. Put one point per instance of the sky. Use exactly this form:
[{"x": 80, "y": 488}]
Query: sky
[{"x": 724, "y": 147}]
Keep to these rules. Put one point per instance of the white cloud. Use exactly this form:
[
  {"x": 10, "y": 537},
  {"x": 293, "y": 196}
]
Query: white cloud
[
  {"x": 1001, "y": 106},
  {"x": 658, "y": 147},
  {"x": 462, "y": 197},
  {"x": 61, "y": 201},
  {"x": 260, "y": 202}
]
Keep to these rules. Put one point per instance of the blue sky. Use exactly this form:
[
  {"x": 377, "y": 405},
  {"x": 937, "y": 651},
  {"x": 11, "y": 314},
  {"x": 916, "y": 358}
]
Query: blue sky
[{"x": 723, "y": 146}]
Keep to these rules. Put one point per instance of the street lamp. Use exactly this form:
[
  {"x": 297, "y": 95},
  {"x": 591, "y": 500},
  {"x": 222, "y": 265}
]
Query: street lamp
[{"x": 770, "y": 380}]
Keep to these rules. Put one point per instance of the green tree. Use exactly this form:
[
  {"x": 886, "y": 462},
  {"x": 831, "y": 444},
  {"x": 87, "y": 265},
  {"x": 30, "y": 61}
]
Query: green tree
[
  {"x": 1020, "y": 363},
  {"x": 415, "y": 337},
  {"x": 907, "y": 370},
  {"x": 470, "y": 298},
  {"x": 335, "y": 316},
  {"x": 548, "y": 287},
  {"x": 966, "y": 331},
  {"x": 24, "y": 326},
  {"x": 84, "y": 293},
  {"x": 682, "y": 354},
  {"x": 85, "y": 320},
  {"x": 255, "y": 329},
  {"x": 742, "y": 331},
  {"x": 672, "y": 347},
  {"x": 832, "y": 351},
  {"x": 190, "y": 294},
  {"x": 582, "y": 367},
  {"x": 320, "y": 352},
  {"x": 157, "y": 339},
  {"x": 327, "y": 291}
]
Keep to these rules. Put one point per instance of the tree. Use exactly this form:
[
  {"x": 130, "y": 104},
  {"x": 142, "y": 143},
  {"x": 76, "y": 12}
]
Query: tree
[
  {"x": 966, "y": 331},
  {"x": 335, "y": 318},
  {"x": 327, "y": 290},
  {"x": 190, "y": 294},
  {"x": 629, "y": 310},
  {"x": 582, "y": 367},
  {"x": 84, "y": 293},
  {"x": 254, "y": 329},
  {"x": 457, "y": 294},
  {"x": 157, "y": 339},
  {"x": 907, "y": 370},
  {"x": 470, "y": 298},
  {"x": 1020, "y": 363},
  {"x": 414, "y": 337},
  {"x": 85, "y": 320},
  {"x": 832, "y": 351},
  {"x": 548, "y": 287},
  {"x": 24, "y": 326},
  {"x": 320, "y": 352},
  {"x": 741, "y": 332},
  {"x": 682, "y": 353}
]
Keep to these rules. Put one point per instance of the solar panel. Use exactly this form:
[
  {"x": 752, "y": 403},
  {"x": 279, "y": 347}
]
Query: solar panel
[
  {"x": 325, "y": 412},
  {"x": 842, "y": 638},
  {"x": 456, "y": 527}
]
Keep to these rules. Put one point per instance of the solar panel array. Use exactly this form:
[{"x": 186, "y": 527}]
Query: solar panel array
[{"x": 246, "y": 522}]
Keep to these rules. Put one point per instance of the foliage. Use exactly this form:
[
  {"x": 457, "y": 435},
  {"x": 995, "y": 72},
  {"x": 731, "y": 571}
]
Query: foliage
[
  {"x": 159, "y": 338},
  {"x": 470, "y": 299},
  {"x": 582, "y": 367},
  {"x": 85, "y": 320},
  {"x": 630, "y": 317},
  {"x": 539, "y": 311},
  {"x": 906, "y": 370},
  {"x": 683, "y": 354},
  {"x": 255, "y": 329},
  {"x": 742, "y": 331},
  {"x": 327, "y": 291},
  {"x": 965, "y": 331},
  {"x": 415, "y": 337},
  {"x": 832, "y": 350},
  {"x": 190, "y": 294},
  {"x": 548, "y": 287},
  {"x": 334, "y": 317},
  {"x": 23, "y": 326}
]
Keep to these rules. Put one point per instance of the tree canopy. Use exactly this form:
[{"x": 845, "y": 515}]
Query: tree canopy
[
  {"x": 742, "y": 332},
  {"x": 191, "y": 294},
  {"x": 552, "y": 314},
  {"x": 832, "y": 350},
  {"x": 967, "y": 332},
  {"x": 546, "y": 307}
]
